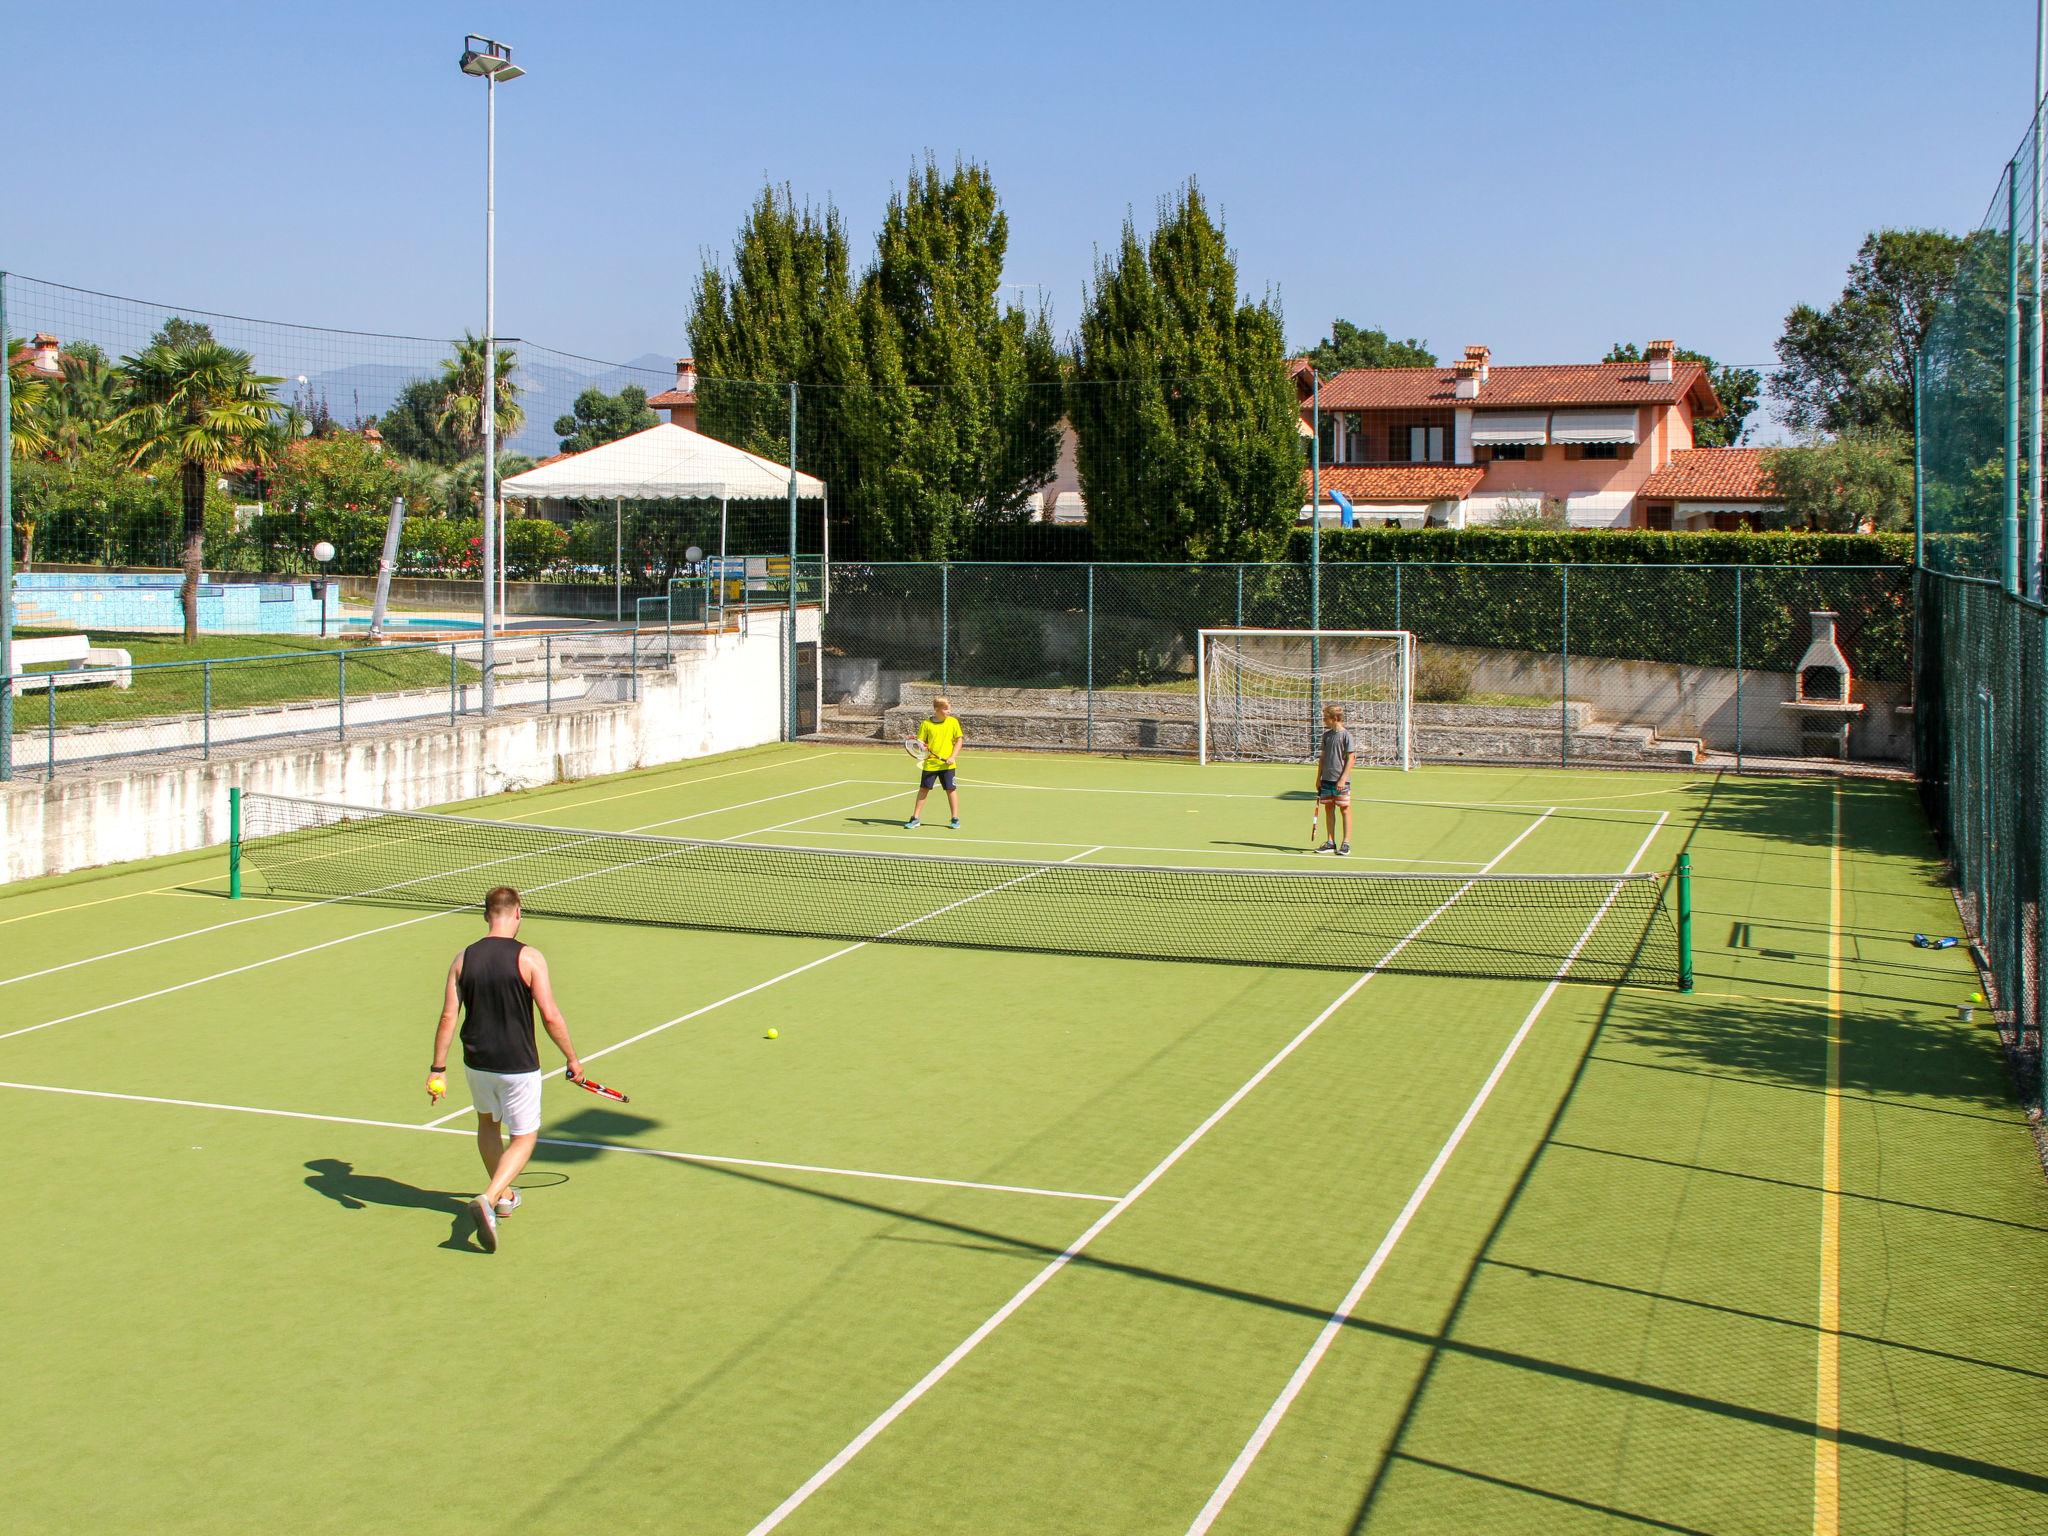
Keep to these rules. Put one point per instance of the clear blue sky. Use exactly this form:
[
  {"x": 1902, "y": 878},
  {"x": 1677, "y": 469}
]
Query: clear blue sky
[{"x": 1544, "y": 178}]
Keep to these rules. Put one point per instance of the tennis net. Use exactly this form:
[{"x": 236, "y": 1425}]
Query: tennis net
[{"x": 1605, "y": 928}]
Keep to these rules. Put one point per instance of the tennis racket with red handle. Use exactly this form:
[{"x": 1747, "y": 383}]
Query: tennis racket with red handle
[{"x": 591, "y": 1085}]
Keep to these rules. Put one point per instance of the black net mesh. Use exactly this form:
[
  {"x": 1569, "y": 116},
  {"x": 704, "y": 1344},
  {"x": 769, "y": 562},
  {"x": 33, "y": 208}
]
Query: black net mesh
[{"x": 1602, "y": 928}]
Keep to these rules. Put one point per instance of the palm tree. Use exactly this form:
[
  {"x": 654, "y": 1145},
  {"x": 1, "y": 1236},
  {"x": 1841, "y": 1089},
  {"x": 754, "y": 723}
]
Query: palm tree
[
  {"x": 192, "y": 408},
  {"x": 462, "y": 377},
  {"x": 87, "y": 400},
  {"x": 28, "y": 402}
]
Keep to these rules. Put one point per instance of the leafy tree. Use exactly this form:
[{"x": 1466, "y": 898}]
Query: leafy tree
[
  {"x": 462, "y": 393},
  {"x": 177, "y": 332},
  {"x": 193, "y": 408},
  {"x": 1185, "y": 415},
  {"x": 1349, "y": 347},
  {"x": 1850, "y": 365},
  {"x": 599, "y": 418},
  {"x": 968, "y": 388},
  {"x": 94, "y": 507},
  {"x": 413, "y": 424},
  {"x": 462, "y": 488},
  {"x": 1738, "y": 389},
  {"x": 783, "y": 313},
  {"x": 532, "y": 544},
  {"x": 1858, "y": 482},
  {"x": 345, "y": 472}
]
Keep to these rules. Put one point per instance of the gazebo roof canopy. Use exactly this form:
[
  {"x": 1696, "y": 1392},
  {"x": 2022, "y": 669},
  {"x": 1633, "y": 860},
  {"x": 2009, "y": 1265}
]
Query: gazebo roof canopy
[{"x": 664, "y": 463}]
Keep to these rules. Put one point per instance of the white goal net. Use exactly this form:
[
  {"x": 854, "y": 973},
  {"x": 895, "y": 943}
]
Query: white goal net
[{"x": 1263, "y": 692}]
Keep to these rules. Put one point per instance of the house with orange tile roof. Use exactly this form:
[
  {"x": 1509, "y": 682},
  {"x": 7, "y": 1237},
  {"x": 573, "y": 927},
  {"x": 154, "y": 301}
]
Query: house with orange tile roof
[
  {"x": 681, "y": 401},
  {"x": 1609, "y": 444}
]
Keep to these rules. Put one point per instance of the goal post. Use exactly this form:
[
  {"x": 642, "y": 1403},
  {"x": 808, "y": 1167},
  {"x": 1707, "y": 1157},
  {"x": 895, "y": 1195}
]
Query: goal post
[{"x": 1261, "y": 693}]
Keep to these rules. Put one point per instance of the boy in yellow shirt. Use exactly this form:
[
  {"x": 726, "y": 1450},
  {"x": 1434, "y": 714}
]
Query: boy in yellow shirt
[{"x": 940, "y": 737}]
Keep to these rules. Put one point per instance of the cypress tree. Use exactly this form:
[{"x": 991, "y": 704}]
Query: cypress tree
[{"x": 1189, "y": 442}]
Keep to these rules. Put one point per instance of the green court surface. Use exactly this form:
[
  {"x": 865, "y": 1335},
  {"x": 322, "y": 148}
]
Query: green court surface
[{"x": 1002, "y": 1241}]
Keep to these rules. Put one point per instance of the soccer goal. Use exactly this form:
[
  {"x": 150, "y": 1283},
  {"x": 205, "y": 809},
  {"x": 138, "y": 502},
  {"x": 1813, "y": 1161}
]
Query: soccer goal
[{"x": 1263, "y": 692}]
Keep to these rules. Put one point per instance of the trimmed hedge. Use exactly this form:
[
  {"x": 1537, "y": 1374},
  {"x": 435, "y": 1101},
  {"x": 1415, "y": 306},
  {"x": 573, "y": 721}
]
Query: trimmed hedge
[{"x": 1549, "y": 546}]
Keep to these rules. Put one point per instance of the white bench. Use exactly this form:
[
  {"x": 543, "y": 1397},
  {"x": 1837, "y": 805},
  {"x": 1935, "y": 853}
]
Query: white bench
[{"x": 87, "y": 664}]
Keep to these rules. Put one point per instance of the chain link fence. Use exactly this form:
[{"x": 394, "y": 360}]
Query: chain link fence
[
  {"x": 75, "y": 719},
  {"x": 1655, "y": 666}
]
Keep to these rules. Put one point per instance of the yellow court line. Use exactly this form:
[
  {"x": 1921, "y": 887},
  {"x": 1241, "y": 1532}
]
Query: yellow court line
[
  {"x": 1827, "y": 1407},
  {"x": 157, "y": 890}
]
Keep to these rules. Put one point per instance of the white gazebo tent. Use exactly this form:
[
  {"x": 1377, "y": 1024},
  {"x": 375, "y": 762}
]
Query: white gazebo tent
[{"x": 664, "y": 463}]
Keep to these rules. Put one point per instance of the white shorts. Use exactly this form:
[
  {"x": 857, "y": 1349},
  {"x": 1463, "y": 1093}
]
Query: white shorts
[{"x": 510, "y": 1098}]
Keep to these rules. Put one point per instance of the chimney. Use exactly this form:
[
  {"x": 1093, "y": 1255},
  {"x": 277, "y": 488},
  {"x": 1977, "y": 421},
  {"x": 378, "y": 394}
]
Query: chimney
[
  {"x": 45, "y": 360},
  {"x": 686, "y": 375},
  {"x": 1479, "y": 354},
  {"x": 1660, "y": 355},
  {"x": 1468, "y": 379}
]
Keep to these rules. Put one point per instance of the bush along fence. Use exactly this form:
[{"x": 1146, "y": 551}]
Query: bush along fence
[{"x": 1668, "y": 665}]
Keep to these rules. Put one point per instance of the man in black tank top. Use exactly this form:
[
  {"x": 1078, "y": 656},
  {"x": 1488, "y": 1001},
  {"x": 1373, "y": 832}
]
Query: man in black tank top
[{"x": 495, "y": 985}]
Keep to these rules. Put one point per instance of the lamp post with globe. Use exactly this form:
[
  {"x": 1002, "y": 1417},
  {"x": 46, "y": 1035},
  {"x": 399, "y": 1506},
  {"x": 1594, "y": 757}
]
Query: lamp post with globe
[{"x": 322, "y": 553}]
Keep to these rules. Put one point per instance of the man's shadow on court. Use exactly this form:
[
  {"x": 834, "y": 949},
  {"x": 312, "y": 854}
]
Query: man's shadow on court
[{"x": 354, "y": 1191}]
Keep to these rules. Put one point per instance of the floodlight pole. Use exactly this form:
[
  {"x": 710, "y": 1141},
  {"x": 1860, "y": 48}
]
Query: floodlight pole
[
  {"x": 493, "y": 60},
  {"x": 1315, "y": 553}
]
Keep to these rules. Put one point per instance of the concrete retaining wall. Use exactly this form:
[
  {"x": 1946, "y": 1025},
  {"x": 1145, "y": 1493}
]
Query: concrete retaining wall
[{"x": 722, "y": 693}]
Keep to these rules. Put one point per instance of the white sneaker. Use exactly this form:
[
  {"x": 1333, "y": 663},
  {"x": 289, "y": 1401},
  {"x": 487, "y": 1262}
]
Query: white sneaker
[
  {"x": 486, "y": 1223},
  {"x": 509, "y": 1202}
]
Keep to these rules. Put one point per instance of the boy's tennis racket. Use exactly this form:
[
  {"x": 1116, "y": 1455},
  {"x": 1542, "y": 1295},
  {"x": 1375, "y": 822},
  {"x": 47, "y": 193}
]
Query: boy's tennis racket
[
  {"x": 591, "y": 1085},
  {"x": 914, "y": 748}
]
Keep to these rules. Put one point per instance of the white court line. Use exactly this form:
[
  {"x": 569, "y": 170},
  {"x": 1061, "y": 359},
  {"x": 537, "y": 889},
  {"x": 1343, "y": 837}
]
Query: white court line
[
  {"x": 425, "y": 917},
  {"x": 1040, "y": 842},
  {"x": 1337, "y": 1320},
  {"x": 808, "y": 965},
  {"x": 236, "y": 922},
  {"x": 962, "y": 1350},
  {"x": 573, "y": 1141},
  {"x": 1592, "y": 802},
  {"x": 668, "y": 784}
]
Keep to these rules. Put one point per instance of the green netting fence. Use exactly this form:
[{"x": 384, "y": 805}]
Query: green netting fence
[{"x": 1981, "y": 728}]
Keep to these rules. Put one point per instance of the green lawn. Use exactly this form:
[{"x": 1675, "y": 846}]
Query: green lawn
[
  {"x": 993, "y": 1242},
  {"x": 245, "y": 672}
]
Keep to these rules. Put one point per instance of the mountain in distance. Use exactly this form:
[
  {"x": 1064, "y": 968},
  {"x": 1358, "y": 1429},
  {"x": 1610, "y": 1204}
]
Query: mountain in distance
[{"x": 549, "y": 383}]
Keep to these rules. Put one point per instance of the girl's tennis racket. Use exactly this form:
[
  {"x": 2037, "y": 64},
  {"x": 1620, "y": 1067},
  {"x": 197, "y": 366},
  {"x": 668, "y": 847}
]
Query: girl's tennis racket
[{"x": 591, "y": 1085}]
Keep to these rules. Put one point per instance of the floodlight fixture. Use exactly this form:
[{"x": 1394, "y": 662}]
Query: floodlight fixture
[{"x": 488, "y": 58}]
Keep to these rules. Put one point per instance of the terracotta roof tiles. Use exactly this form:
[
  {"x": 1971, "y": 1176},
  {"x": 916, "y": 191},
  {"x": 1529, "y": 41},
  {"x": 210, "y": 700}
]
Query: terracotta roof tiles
[
  {"x": 1712, "y": 474},
  {"x": 1403, "y": 482},
  {"x": 1519, "y": 385}
]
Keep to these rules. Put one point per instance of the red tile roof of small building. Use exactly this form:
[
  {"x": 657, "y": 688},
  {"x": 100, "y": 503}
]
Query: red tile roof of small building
[
  {"x": 673, "y": 397},
  {"x": 1507, "y": 386},
  {"x": 1712, "y": 474},
  {"x": 1402, "y": 482}
]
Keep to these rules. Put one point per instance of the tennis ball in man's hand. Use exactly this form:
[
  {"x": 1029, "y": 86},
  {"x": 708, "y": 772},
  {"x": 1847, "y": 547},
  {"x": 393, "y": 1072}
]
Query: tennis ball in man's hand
[
  {"x": 437, "y": 1086},
  {"x": 774, "y": 1034}
]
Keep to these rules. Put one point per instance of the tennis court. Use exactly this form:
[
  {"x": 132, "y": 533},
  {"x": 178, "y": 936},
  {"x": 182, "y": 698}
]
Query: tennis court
[{"x": 1014, "y": 1238}]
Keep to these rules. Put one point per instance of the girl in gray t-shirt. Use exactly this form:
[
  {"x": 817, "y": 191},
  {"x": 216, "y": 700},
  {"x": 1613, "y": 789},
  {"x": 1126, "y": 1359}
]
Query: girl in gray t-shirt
[{"x": 1334, "y": 762}]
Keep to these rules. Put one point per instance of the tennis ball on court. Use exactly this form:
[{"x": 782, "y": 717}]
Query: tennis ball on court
[
  {"x": 1976, "y": 997},
  {"x": 774, "y": 1034}
]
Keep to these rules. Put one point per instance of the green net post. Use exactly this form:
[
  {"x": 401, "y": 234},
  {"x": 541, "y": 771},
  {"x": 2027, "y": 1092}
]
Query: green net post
[
  {"x": 1564, "y": 666},
  {"x": 1091, "y": 657},
  {"x": 234, "y": 844},
  {"x": 1685, "y": 922},
  {"x": 1738, "y": 669},
  {"x": 1919, "y": 467},
  {"x": 945, "y": 622}
]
